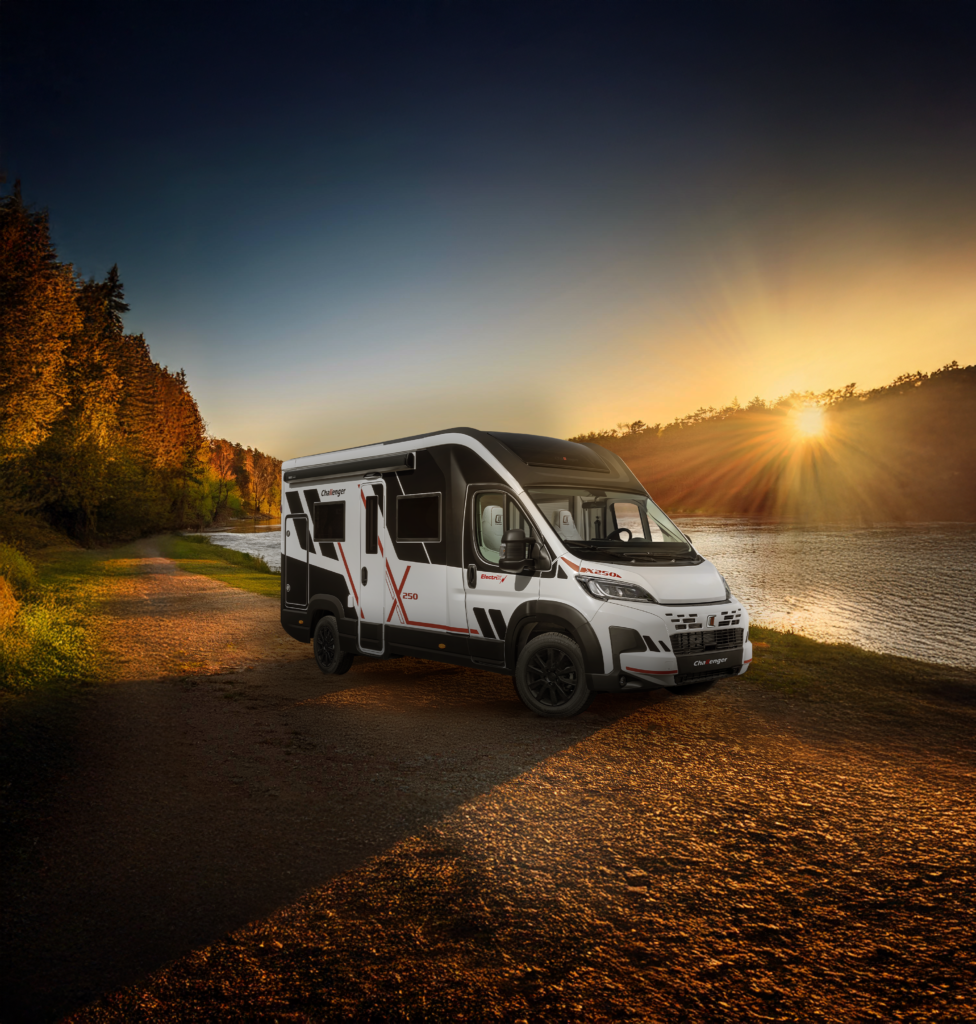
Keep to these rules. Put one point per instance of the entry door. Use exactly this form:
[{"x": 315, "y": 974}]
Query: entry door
[
  {"x": 491, "y": 596},
  {"x": 373, "y": 595},
  {"x": 295, "y": 562}
]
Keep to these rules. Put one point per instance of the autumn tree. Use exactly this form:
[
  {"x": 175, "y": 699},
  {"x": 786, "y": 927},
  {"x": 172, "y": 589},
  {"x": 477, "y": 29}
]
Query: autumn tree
[{"x": 39, "y": 316}]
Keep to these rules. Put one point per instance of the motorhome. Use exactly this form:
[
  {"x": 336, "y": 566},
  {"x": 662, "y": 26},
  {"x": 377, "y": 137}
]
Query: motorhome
[{"x": 531, "y": 556}]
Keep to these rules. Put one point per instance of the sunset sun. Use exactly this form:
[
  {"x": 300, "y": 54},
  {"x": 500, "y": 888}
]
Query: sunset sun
[{"x": 808, "y": 421}]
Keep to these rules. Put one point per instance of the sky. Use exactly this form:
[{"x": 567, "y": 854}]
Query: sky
[{"x": 356, "y": 221}]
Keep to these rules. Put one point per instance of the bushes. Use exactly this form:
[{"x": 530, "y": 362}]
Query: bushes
[
  {"x": 17, "y": 571},
  {"x": 41, "y": 649},
  {"x": 42, "y": 645}
]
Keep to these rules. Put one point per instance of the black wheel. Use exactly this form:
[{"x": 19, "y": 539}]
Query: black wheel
[
  {"x": 328, "y": 655},
  {"x": 550, "y": 678}
]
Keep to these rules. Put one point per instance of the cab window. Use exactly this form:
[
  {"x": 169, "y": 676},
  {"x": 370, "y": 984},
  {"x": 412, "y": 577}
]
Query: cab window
[
  {"x": 494, "y": 513},
  {"x": 626, "y": 516}
]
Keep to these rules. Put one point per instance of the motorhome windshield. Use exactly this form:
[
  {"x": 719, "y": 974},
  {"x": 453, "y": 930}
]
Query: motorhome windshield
[{"x": 612, "y": 522}]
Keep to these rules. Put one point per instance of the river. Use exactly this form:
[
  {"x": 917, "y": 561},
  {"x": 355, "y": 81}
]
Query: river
[{"x": 897, "y": 589}]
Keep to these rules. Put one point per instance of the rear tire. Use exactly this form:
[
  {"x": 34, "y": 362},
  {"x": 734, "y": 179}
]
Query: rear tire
[
  {"x": 329, "y": 656},
  {"x": 550, "y": 677}
]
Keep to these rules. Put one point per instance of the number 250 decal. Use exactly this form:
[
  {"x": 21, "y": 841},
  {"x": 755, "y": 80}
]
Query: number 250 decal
[{"x": 409, "y": 597}]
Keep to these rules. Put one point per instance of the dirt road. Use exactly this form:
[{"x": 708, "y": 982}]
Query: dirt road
[{"x": 243, "y": 838}]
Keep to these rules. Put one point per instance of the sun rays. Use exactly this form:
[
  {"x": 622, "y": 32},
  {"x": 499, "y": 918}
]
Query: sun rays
[{"x": 808, "y": 422}]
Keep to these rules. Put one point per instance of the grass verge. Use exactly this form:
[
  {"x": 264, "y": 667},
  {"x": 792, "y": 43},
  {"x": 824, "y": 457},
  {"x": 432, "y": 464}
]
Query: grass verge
[
  {"x": 45, "y": 643},
  {"x": 49, "y": 656},
  {"x": 811, "y": 670},
  {"x": 235, "y": 568}
]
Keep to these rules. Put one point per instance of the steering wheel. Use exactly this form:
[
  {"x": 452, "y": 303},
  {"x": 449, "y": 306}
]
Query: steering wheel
[{"x": 616, "y": 534}]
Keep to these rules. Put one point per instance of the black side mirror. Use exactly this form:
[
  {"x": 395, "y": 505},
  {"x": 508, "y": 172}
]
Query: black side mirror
[
  {"x": 512, "y": 553},
  {"x": 539, "y": 555}
]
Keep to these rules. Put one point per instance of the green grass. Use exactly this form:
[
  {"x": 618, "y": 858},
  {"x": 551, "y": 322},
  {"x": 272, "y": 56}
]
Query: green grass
[
  {"x": 236, "y": 568},
  {"x": 811, "y": 670},
  {"x": 46, "y": 644},
  {"x": 49, "y": 657}
]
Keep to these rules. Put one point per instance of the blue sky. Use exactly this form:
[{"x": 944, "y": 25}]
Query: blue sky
[{"x": 356, "y": 221}]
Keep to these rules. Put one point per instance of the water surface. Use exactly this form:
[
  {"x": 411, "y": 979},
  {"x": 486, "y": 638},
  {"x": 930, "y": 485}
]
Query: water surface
[
  {"x": 897, "y": 589},
  {"x": 893, "y": 588}
]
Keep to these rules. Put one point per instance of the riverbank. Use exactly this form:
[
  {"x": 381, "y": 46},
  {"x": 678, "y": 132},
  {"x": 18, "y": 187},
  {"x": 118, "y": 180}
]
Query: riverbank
[{"x": 406, "y": 842}]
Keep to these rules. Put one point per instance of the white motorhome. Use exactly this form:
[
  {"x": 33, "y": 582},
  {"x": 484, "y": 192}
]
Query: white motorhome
[{"x": 531, "y": 556}]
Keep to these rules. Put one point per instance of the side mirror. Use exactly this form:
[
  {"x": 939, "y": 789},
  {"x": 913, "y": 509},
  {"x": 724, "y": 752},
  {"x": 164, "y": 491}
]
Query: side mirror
[
  {"x": 540, "y": 557},
  {"x": 686, "y": 537},
  {"x": 512, "y": 552}
]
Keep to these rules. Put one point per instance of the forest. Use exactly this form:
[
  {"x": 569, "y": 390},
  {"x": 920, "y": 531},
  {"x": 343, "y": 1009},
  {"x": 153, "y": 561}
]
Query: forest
[
  {"x": 899, "y": 453},
  {"x": 98, "y": 441}
]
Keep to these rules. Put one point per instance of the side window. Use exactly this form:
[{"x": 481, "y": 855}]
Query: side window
[
  {"x": 372, "y": 525},
  {"x": 494, "y": 513},
  {"x": 418, "y": 518},
  {"x": 329, "y": 521},
  {"x": 489, "y": 525},
  {"x": 517, "y": 519}
]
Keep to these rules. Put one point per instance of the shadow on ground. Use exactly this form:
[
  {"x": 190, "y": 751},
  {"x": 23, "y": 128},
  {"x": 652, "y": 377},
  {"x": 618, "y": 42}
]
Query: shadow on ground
[{"x": 196, "y": 805}]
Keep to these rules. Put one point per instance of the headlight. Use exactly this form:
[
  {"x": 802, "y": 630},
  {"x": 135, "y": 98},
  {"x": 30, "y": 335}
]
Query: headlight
[{"x": 607, "y": 591}]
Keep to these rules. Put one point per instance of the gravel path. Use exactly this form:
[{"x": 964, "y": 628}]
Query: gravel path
[{"x": 407, "y": 843}]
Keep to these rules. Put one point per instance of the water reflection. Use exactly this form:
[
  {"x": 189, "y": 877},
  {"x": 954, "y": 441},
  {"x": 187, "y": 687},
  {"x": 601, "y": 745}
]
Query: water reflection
[
  {"x": 261, "y": 538},
  {"x": 898, "y": 589}
]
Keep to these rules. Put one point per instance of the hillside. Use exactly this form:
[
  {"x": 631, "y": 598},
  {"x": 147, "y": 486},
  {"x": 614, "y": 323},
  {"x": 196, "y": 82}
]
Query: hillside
[{"x": 903, "y": 452}]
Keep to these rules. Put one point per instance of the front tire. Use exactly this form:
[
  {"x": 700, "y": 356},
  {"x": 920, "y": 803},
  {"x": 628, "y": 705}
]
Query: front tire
[
  {"x": 550, "y": 677},
  {"x": 328, "y": 654}
]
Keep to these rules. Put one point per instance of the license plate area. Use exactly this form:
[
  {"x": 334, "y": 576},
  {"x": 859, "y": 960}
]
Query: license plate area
[{"x": 705, "y": 661}]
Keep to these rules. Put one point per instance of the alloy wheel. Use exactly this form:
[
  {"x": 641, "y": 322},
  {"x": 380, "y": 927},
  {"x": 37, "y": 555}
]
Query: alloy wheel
[{"x": 551, "y": 677}]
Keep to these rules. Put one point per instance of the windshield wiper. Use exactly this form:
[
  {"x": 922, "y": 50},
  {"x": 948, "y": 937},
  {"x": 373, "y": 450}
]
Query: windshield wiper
[{"x": 624, "y": 552}]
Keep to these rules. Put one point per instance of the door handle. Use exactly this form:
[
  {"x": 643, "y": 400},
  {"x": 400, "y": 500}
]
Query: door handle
[
  {"x": 472, "y": 576},
  {"x": 364, "y": 575}
]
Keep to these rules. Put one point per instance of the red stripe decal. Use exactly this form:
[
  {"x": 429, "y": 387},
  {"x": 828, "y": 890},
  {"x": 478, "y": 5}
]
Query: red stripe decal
[
  {"x": 348, "y": 573},
  {"x": 572, "y": 566},
  {"x": 651, "y": 672},
  {"x": 403, "y": 611},
  {"x": 397, "y": 590}
]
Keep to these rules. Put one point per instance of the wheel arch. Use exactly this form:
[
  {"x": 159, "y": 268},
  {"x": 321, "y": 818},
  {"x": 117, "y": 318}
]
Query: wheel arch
[
  {"x": 552, "y": 617},
  {"x": 321, "y": 605}
]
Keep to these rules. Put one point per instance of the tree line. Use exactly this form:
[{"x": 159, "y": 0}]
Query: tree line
[
  {"x": 902, "y": 452},
  {"x": 96, "y": 438}
]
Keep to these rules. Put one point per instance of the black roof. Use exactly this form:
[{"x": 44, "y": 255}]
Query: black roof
[{"x": 534, "y": 459}]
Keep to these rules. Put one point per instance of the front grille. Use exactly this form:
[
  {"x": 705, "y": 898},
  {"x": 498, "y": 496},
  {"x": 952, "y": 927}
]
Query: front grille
[{"x": 706, "y": 640}]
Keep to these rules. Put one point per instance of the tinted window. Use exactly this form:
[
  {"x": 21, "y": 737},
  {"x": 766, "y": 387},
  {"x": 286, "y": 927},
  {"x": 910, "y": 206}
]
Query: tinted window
[
  {"x": 419, "y": 517},
  {"x": 372, "y": 523},
  {"x": 552, "y": 451},
  {"x": 330, "y": 520}
]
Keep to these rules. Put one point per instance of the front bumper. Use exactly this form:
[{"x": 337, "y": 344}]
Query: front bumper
[{"x": 650, "y": 668}]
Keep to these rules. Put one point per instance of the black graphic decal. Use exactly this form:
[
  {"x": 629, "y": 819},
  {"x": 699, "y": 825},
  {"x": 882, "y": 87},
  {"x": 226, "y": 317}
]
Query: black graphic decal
[
  {"x": 484, "y": 624},
  {"x": 499, "y": 620}
]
